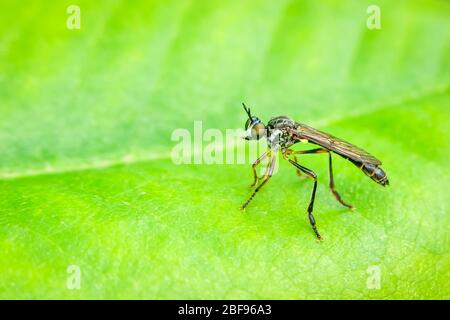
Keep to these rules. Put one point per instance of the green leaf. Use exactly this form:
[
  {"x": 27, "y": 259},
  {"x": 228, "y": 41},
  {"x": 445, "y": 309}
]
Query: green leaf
[{"x": 85, "y": 139}]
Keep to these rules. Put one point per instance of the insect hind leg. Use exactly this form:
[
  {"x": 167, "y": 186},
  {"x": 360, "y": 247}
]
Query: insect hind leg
[{"x": 332, "y": 187}]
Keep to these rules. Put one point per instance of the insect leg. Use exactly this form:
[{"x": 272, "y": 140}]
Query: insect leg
[
  {"x": 330, "y": 169},
  {"x": 299, "y": 173},
  {"x": 332, "y": 188},
  {"x": 271, "y": 167},
  {"x": 311, "y": 174},
  {"x": 292, "y": 152},
  {"x": 312, "y": 151},
  {"x": 255, "y": 164}
]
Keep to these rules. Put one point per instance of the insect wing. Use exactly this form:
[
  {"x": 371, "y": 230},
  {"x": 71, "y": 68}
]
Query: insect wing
[{"x": 332, "y": 143}]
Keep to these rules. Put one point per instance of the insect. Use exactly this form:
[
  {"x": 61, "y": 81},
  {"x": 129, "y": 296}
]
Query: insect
[{"x": 283, "y": 132}]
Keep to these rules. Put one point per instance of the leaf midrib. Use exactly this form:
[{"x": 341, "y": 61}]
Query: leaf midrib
[{"x": 128, "y": 159}]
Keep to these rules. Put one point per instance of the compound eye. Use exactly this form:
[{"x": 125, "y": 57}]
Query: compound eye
[{"x": 258, "y": 130}]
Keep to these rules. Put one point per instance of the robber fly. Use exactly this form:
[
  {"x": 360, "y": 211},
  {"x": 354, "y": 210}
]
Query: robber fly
[{"x": 283, "y": 132}]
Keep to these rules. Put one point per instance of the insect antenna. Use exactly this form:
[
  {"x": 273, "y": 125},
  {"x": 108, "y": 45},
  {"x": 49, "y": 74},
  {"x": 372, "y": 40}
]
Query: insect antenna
[{"x": 247, "y": 110}]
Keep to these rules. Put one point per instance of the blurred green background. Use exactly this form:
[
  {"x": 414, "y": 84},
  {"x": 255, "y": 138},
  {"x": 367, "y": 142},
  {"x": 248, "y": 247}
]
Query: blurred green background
[{"x": 86, "y": 177}]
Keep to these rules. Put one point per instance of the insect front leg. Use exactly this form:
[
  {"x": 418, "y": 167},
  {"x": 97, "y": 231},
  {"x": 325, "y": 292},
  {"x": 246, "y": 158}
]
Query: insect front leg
[
  {"x": 271, "y": 167},
  {"x": 312, "y": 175},
  {"x": 255, "y": 164}
]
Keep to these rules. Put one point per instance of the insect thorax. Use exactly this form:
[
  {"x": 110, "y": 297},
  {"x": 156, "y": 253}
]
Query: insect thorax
[{"x": 278, "y": 133}]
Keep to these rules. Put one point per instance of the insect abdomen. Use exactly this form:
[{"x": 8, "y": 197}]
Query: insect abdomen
[{"x": 374, "y": 172}]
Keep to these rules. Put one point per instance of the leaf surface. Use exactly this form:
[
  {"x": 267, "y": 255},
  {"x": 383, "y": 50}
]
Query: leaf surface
[{"x": 85, "y": 141}]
